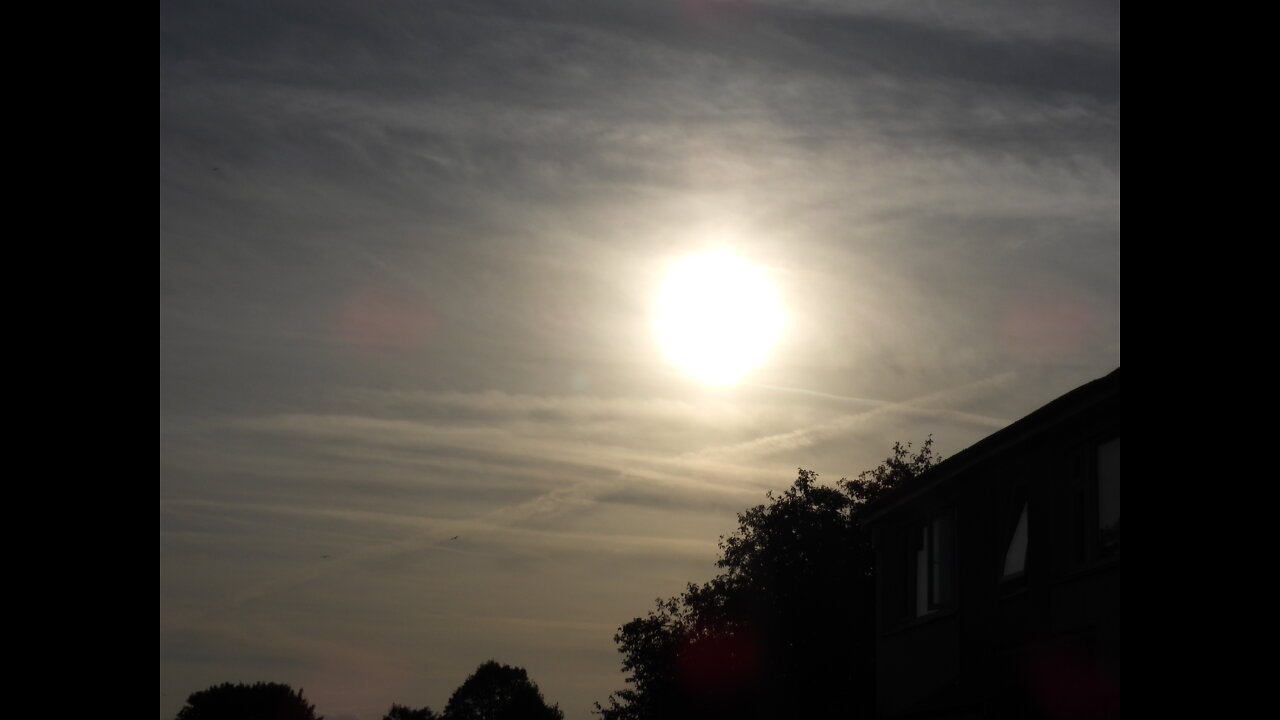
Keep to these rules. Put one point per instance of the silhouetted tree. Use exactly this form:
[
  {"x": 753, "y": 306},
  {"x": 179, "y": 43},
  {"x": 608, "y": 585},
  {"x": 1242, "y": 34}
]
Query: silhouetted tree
[
  {"x": 259, "y": 701},
  {"x": 499, "y": 692},
  {"x": 403, "y": 712},
  {"x": 901, "y": 466},
  {"x": 786, "y": 629}
]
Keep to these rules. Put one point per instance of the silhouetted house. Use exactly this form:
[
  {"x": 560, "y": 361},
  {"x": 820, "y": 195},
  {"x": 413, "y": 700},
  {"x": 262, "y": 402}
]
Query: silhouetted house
[{"x": 999, "y": 572}]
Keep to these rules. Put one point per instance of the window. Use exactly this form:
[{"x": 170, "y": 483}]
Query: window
[
  {"x": 1108, "y": 468},
  {"x": 1015, "y": 530},
  {"x": 1015, "y": 556},
  {"x": 935, "y": 565},
  {"x": 1095, "y": 503}
]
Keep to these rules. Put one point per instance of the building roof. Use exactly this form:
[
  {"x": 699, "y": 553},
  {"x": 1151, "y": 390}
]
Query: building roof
[{"x": 1048, "y": 416}]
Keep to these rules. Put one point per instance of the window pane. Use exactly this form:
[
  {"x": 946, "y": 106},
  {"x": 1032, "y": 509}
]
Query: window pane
[
  {"x": 934, "y": 563},
  {"x": 1109, "y": 493},
  {"x": 1015, "y": 558},
  {"x": 943, "y": 550},
  {"x": 922, "y": 574}
]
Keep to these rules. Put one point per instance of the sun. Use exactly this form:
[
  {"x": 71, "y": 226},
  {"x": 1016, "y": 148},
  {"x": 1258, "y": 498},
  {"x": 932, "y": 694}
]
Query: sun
[{"x": 718, "y": 316}]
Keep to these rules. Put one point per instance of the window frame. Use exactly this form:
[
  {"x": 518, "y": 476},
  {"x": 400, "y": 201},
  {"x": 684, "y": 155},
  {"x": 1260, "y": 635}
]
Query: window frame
[
  {"x": 1106, "y": 546},
  {"x": 932, "y": 565},
  {"x": 1016, "y": 506},
  {"x": 1088, "y": 546}
]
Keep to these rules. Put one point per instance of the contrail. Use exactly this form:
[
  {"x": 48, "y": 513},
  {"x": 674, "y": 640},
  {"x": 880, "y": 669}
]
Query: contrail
[
  {"x": 802, "y": 391},
  {"x": 923, "y": 403}
]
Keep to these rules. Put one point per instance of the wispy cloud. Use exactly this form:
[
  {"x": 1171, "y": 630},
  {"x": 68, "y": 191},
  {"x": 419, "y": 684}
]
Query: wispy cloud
[{"x": 408, "y": 255}]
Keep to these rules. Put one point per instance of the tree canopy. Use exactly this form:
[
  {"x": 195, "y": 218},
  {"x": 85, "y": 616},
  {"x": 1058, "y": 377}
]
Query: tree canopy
[
  {"x": 259, "y": 701},
  {"x": 499, "y": 692},
  {"x": 492, "y": 692},
  {"x": 786, "y": 629},
  {"x": 404, "y": 712}
]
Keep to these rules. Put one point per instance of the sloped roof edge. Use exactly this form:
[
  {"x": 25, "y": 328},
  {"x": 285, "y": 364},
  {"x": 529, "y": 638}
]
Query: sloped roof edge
[{"x": 1047, "y": 416}]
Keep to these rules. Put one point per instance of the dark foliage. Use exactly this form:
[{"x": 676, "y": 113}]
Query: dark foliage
[
  {"x": 895, "y": 469},
  {"x": 787, "y": 627},
  {"x": 259, "y": 701},
  {"x": 499, "y": 692},
  {"x": 403, "y": 712}
]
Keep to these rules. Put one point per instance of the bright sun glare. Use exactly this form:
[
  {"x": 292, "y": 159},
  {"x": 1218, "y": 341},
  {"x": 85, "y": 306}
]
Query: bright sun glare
[{"x": 718, "y": 316}]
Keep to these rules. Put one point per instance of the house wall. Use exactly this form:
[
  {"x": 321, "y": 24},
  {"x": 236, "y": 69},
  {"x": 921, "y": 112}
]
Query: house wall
[{"x": 1043, "y": 643}]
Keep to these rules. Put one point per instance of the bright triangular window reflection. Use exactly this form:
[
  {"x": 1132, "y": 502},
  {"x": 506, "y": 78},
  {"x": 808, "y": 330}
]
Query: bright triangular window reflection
[{"x": 1015, "y": 558}]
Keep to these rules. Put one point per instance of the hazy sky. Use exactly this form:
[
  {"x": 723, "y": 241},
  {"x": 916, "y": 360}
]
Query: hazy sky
[{"x": 409, "y": 254}]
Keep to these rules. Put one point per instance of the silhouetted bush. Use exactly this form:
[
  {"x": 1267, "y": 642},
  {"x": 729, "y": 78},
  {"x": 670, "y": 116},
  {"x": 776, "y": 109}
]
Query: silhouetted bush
[
  {"x": 499, "y": 692},
  {"x": 402, "y": 712},
  {"x": 259, "y": 701}
]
